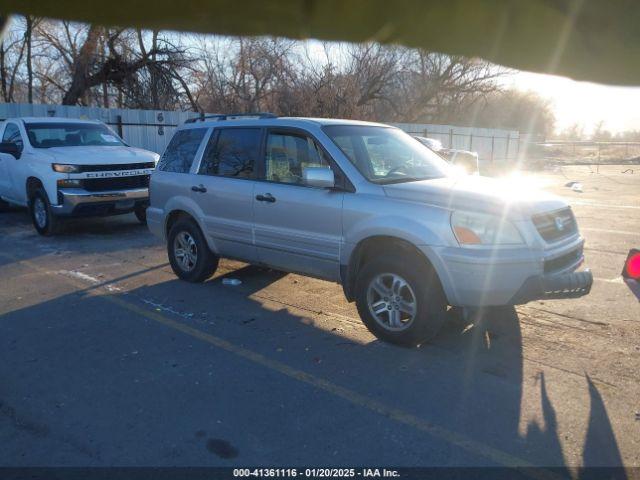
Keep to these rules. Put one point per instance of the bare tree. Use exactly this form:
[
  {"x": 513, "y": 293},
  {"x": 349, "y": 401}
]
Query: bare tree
[
  {"x": 74, "y": 64},
  {"x": 12, "y": 52},
  {"x": 30, "y": 23}
]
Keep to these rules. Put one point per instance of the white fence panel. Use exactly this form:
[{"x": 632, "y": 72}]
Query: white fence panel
[
  {"x": 152, "y": 129},
  {"x": 149, "y": 129}
]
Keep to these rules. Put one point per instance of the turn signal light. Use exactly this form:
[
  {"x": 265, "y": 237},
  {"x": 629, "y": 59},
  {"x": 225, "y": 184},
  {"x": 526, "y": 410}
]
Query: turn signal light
[{"x": 632, "y": 265}]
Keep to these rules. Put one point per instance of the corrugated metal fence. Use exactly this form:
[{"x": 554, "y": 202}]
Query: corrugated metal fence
[
  {"x": 149, "y": 129},
  {"x": 152, "y": 129},
  {"x": 490, "y": 143}
]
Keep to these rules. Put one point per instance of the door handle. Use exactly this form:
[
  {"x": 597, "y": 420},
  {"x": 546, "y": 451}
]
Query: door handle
[
  {"x": 199, "y": 189},
  {"x": 267, "y": 197}
]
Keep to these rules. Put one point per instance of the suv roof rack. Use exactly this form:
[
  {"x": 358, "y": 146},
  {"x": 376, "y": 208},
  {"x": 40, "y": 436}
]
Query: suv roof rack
[{"x": 227, "y": 116}]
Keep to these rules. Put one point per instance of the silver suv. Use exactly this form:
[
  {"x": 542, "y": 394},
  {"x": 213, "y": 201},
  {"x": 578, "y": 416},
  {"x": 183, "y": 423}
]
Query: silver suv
[{"x": 364, "y": 205}]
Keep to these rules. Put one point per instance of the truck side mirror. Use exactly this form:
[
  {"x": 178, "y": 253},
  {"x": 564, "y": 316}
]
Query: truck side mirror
[{"x": 10, "y": 148}]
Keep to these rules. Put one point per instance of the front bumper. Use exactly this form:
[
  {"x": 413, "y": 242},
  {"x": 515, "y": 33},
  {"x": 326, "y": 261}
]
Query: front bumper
[
  {"x": 475, "y": 278},
  {"x": 78, "y": 202},
  {"x": 540, "y": 287}
]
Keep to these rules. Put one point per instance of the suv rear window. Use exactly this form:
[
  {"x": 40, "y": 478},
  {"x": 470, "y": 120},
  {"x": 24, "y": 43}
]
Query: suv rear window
[
  {"x": 233, "y": 152},
  {"x": 181, "y": 151}
]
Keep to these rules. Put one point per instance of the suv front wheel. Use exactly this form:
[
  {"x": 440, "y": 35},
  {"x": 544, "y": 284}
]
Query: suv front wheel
[
  {"x": 189, "y": 254},
  {"x": 400, "y": 300}
]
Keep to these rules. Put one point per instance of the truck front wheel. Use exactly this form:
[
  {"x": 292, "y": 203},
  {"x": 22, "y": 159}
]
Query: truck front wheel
[
  {"x": 44, "y": 220},
  {"x": 141, "y": 214},
  {"x": 400, "y": 300}
]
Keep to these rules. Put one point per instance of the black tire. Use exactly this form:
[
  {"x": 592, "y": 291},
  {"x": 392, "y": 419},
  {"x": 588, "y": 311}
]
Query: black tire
[
  {"x": 424, "y": 284},
  {"x": 206, "y": 261},
  {"x": 49, "y": 224},
  {"x": 141, "y": 214}
]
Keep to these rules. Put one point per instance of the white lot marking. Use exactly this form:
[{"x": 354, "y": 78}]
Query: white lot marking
[
  {"x": 79, "y": 275},
  {"x": 609, "y": 280},
  {"x": 602, "y": 205},
  {"x": 87, "y": 278},
  {"x": 604, "y": 230},
  {"x": 111, "y": 288},
  {"x": 165, "y": 308}
]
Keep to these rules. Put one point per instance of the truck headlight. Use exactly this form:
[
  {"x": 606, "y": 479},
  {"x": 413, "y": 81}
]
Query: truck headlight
[
  {"x": 63, "y": 168},
  {"x": 472, "y": 228}
]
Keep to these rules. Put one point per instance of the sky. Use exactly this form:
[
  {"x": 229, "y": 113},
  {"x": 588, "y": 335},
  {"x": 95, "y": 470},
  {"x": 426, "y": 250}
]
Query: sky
[{"x": 583, "y": 102}]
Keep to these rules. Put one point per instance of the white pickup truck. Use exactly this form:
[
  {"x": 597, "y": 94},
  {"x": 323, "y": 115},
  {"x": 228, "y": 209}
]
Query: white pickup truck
[{"x": 61, "y": 167}]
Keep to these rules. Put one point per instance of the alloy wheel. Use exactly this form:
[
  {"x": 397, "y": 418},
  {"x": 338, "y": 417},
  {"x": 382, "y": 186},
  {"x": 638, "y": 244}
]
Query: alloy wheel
[
  {"x": 391, "y": 301},
  {"x": 185, "y": 251}
]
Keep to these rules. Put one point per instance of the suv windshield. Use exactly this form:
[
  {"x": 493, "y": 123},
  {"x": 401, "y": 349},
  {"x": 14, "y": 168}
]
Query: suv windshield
[
  {"x": 47, "y": 135},
  {"x": 387, "y": 155}
]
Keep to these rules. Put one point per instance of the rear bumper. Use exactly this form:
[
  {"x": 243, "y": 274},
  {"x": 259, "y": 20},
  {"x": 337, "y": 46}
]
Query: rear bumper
[
  {"x": 568, "y": 285},
  {"x": 78, "y": 202}
]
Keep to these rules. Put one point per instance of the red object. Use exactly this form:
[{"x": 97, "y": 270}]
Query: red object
[{"x": 632, "y": 265}]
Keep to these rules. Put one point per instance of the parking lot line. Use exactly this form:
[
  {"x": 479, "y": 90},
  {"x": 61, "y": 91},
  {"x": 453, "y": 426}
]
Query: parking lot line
[
  {"x": 609, "y": 280},
  {"x": 604, "y": 230},
  {"x": 459, "y": 440},
  {"x": 600, "y": 205}
]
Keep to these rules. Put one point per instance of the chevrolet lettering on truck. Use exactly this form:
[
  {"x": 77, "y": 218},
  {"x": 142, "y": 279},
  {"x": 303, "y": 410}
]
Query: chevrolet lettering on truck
[
  {"x": 364, "y": 205},
  {"x": 61, "y": 168}
]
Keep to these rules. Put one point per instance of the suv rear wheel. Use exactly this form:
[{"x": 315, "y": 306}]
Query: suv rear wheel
[
  {"x": 400, "y": 300},
  {"x": 44, "y": 220},
  {"x": 189, "y": 254}
]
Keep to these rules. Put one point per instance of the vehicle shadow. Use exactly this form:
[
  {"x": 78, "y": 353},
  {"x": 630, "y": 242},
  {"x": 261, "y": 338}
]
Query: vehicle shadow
[
  {"x": 466, "y": 385},
  {"x": 86, "y": 235}
]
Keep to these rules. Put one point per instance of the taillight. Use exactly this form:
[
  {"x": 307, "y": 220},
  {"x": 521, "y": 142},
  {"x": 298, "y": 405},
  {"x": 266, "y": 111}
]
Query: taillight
[{"x": 632, "y": 265}]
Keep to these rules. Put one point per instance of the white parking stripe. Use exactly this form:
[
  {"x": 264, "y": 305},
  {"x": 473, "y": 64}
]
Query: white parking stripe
[
  {"x": 602, "y": 205},
  {"x": 609, "y": 280},
  {"x": 604, "y": 230}
]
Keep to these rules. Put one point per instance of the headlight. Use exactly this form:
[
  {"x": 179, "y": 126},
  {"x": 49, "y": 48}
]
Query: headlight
[
  {"x": 481, "y": 229},
  {"x": 62, "y": 168}
]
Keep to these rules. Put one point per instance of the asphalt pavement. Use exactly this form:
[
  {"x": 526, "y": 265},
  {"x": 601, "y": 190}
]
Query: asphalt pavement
[{"x": 107, "y": 359}]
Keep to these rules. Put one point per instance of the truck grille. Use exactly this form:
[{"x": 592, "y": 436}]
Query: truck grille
[
  {"x": 563, "y": 261},
  {"x": 111, "y": 168},
  {"x": 548, "y": 224},
  {"x": 115, "y": 183}
]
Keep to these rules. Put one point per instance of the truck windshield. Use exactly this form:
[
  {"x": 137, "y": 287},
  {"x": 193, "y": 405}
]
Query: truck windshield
[
  {"x": 48, "y": 135},
  {"x": 387, "y": 155}
]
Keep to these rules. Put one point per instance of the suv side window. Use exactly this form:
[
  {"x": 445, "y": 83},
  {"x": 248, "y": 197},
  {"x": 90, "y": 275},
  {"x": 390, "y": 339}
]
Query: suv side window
[
  {"x": 181, "y": 151},
  {"x": 232, "y": 152},
  {"x": 288, "y": 154},
  {"x": 12, "y": 135}
]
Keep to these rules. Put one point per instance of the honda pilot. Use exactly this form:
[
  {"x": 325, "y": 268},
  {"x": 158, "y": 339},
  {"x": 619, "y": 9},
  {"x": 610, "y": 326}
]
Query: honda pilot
[{"x": 367, "y": 206}]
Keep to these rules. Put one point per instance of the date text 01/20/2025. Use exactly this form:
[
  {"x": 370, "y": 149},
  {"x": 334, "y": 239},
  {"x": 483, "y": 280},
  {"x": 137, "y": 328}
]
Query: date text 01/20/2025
[{"x": 315, "y": 472}]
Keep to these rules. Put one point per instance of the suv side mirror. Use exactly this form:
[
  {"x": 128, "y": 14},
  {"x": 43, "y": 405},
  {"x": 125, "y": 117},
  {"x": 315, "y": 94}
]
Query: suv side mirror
[
  {"x": 11, "y": 148},
  {"x": 321, "y": 177}
]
